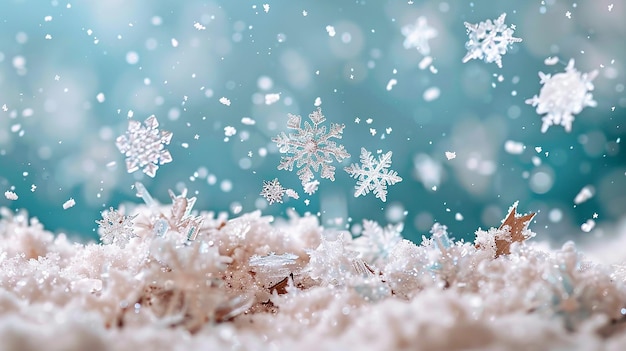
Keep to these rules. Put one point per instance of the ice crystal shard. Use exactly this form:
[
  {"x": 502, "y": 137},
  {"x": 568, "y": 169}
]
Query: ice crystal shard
[
  {"x": 562, "y": 96},
  {"x": 116, "y": 228},
  {"x": 311, "y": 149},
  {"x": 373, "y": 175},
  {"x": 489, "y": 40},
  {"x": 417, "y": 35},
  {"x": 143, "y": 146}
]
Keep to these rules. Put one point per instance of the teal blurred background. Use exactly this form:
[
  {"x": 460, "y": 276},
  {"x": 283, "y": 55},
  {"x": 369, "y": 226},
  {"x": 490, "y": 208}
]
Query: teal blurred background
[{"x": 71, "y": 74}]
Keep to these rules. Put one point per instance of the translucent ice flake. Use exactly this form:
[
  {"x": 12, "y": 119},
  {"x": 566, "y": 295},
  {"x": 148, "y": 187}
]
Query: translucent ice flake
[
  {"x": 562, "y": 96},
  {"x": 311, "y": 148},
  {"x": 143, "y": 146},
  {"x": 489, "y": 40},
  {"x": 115, "y": 228},
  {"x": 373, "y": 175},
  {"x": 273, "y": 191},
  {"x": 417, "y": 35}
]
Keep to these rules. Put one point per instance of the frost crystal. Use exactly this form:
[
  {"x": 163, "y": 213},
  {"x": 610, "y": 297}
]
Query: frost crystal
[
  {"x": 417, "y": 36},
  {"x": 115, "y": 228},
  {"x": 562, "y": 96},
  {"x": 310, "y": 148},
  {"x": 143, "y": 146},
  {"x": 273, "y": 191},
  {"x": 373, "y": 174},
  {"x": 489, "y": 40}
]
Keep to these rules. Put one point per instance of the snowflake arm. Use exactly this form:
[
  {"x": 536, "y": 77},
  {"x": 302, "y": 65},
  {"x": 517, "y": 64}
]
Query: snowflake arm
[
  {"x": 489, "y": 40},
  {"x": 116, "y": 228},
  {"x": 562, "y": 96},
  {"x": 311, "y": 149},
  {"x": 373, "y": 175},
  {"x": 143, "y": 146}
]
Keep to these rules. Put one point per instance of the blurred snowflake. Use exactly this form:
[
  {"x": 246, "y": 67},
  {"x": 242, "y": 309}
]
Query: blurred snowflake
[
  {"x": 143, "y": 146},
  {"x": 115, "y": 228},
  {"x": 417, "y": 35},
  {"x": 373, "y": 174},
  {"x": 489, "y": 40},
  {"x": 562, "y": 96},
  {"x": 310, "y": 148}
]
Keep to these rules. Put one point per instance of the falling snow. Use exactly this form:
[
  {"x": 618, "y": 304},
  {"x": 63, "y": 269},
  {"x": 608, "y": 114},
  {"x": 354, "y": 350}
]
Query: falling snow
[
  {"x": 373, "y": 175},
  {"x": 489, "y": 40},
  {"x": 418, "y": 34}
]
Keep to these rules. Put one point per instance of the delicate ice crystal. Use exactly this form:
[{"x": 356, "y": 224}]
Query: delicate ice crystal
[
  {"x": 562, "y": 96},
  {"x": 143, "y": 146},
  {"x": 115, "y": 228},
  {"x": 417, "y": 35},
  {"x": 311, "y": 148},
  {"x": 373, "y": 175},
  {"x": 273, "y": 191},
  {"x": 489, "y": 40}
]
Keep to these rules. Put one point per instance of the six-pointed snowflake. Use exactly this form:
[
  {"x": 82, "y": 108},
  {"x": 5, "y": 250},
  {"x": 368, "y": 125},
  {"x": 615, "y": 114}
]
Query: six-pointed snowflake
[
  {"x": 417, "y": 35},
  {"x": 273, "y": 191},
  {"x": 143, "y": 146},
  {"x": 562, "y": 96},
  {"x": 489, "y": 40},
  {"x": 311, "y": 148},
  {"x": 115, "y": 228},
  {"x": 373, "y": 175}
]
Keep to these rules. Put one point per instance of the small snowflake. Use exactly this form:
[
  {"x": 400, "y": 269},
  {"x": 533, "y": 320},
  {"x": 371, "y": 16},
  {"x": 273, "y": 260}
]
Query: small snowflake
[
  {"x": 417, "y": 35},
  {"x": 311, "y": 147},
  {"x": 373, "y": 175},
  {"x": 273, "y": 191},
  {"x": 115, "y": 228},
  {"x": 489, "y": 40},
  {"x": 143, "y": 146},
  {"x": 562, "y": 96}
]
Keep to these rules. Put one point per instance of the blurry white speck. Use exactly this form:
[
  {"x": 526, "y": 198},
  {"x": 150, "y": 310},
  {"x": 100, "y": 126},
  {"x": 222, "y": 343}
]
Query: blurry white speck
[
  {"x": 369, "y": 121},
  {"x": 458, "y": 216},
  {"x": 391, "y": 83},
  {"x": 271, "y": 98},
  {"x": 130, "y": 114},
  {"x": 69, "y": 203},
  {"x": 538, "y": 149},
  {"x": 318, "y": 102},
  {"x": 111, "y": 164},
  {"x": 100, "y": 97},
  {"x": 292, "y": 193},
  {"x": 174, "y": 42},
  {"x": 586, "y": 193},
  {"x": 304, "y": 13},
  {"x": 331, "y": 30},
  {"x": 588, "y": 226},
  {"x": 514, "y": 147},
  {"x": 536, "y": 161},
  {"x": 431, "y": 94},
  {"x": 552, "y": 60},
  {"x": 450, "y": 155},
  {"x": 5, "y": 108},
  {"x": 434, "y": 188},
  {"x": 248, "y": 121},
  {"x": 425, "y": 62},
  {"x": 229, "y": 131},
  {"x": 266, "y": 8},
  {"x": 610, "y": 7},
  {"x": 595, "y": 215},
  {"x": 10, "y": 195},
  {"x": 47, "y": 18},
  {"x": 224, "y": 101},
  {"x": 132, "y": 58},
  {"x": 33, "y": 187},
  {"x": 198, "y": 26},
  {"x": 568, "y": 14},
  {"x": 48, "y": 36}
]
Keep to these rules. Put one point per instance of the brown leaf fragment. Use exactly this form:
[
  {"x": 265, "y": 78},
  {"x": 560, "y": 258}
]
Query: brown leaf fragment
[{"x": 517, "y": 224}]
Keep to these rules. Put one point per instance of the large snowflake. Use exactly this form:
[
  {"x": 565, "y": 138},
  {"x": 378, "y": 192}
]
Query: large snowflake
[
  {"x": 310, "y": 148},
  {"x": 115, "y": 228},
  {"x": 143, "y": 146},
  {"x": 489, "y": 40},
  {"x": 417, "y": 35},
  {"x": 562, "y": 96},
  {"x": 373, "y": 175}
]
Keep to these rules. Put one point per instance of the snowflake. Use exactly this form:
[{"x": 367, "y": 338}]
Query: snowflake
[
  {"x": 116, "y": 228},
  {"x": 311, "y": 147},
  {"x": 273, "y": 191},
  {"x": 376, "y": 243},
  {"x": 373, "y": 174},
  {"x": 417, "y": 35},
  {"x": 489, "y": 40},
  {"x": 562, "y": 96},
  {"x": 143, "y": 146}
]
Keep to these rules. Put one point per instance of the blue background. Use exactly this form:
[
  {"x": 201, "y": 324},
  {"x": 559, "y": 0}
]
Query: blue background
[{"x": 50, "y": 88}]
